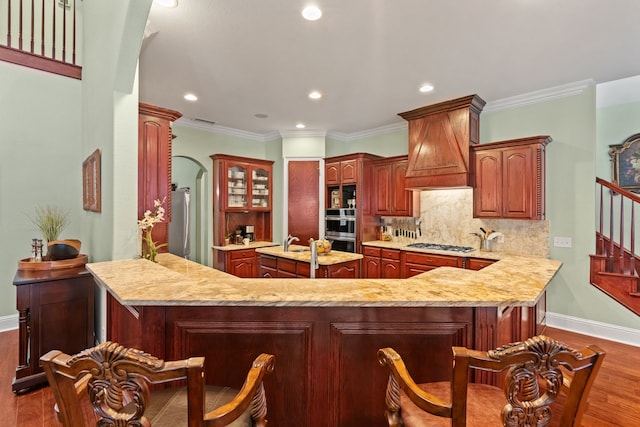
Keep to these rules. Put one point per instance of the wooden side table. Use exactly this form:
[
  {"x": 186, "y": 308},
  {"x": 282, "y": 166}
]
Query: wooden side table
[{"x": 56, "y": 311}]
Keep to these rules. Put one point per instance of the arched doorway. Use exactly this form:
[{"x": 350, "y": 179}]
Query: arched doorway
[{"x": 189, "y": 173}]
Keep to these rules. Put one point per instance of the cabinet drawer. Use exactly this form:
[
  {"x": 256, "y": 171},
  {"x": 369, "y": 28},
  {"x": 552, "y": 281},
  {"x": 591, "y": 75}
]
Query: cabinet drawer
[
  {"x": 433, "y": 260},
  {"x": 268, "y": 261},
  {"x": 286, "y": 265},
  {"x": 242, "y": 253},
  {"x": 369, "y": 251},
  {"x": 478, "y": 263},
  {"x": 390, "y": 254}
]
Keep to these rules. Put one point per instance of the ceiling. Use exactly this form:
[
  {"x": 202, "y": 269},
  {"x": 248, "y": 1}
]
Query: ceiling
[{"x": 369, "y": 57}]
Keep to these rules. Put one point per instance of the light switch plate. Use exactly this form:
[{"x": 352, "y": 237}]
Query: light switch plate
[{"x": 562, "y": 242}]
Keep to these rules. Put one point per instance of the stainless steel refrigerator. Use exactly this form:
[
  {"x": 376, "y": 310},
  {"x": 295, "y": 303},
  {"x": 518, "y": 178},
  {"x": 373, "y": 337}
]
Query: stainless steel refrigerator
[{"x": 179, "y": 226}]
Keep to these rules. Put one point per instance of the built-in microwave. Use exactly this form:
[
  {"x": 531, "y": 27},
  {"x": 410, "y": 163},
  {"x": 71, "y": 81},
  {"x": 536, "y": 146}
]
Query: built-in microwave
[
  {"x": 343, "y": 244},
  {"x": 340, "y": 223}
]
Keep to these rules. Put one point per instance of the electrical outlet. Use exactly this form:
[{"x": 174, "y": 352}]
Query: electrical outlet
[{"x": 562, "y": 242}]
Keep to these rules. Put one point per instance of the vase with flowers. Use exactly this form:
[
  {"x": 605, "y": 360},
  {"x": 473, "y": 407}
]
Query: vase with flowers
[{"x": 149, "y": 247}]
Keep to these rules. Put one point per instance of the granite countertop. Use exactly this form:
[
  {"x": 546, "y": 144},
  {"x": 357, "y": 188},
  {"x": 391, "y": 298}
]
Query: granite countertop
[
  {"x": 251, "y": 245},
  {"x": 303, "y": 254},
  {"x": 403, "y": 246},
  {"x": 513, "y": 280}
]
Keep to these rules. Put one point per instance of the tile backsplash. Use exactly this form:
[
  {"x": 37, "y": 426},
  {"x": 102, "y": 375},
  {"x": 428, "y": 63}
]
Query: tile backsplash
[{"x": 446, "y": 216}]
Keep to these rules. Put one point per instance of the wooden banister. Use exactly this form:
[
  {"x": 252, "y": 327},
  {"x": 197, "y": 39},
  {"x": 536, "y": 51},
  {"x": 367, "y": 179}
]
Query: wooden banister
[{"x": 55, "y": 33}]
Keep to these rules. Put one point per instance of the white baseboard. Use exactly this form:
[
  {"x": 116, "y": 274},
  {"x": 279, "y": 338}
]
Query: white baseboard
[
  {"x": 595, "y": 329},
  {"x": 8, "y": 322}
]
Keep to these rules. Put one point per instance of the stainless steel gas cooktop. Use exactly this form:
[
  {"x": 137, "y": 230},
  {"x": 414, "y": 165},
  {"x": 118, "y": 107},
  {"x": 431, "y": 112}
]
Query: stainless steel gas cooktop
[{"x": 441, "y": 247}]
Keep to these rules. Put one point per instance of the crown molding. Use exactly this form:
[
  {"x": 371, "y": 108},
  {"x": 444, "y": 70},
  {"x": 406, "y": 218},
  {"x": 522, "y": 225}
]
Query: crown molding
[
  {"x": 303, "y": 133},
  {"x": 214, "y": 128},
  {"x": 347, "y": 137},
  {"x": 556, "y": 92}
]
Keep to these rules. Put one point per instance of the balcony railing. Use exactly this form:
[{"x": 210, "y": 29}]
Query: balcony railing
[{"x": 42, "y": 34}]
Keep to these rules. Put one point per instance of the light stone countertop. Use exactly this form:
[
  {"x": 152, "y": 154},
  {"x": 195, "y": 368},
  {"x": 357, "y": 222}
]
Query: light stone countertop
[
  {"x": 251, "y": 245},
  {"x": 514, "y": 280},
  {"x": 303, "y": 254}
]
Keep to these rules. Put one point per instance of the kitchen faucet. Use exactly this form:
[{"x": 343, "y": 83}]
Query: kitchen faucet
[
  {"x": 287, "y": 242},
  {"x": 313, "y": 263}
]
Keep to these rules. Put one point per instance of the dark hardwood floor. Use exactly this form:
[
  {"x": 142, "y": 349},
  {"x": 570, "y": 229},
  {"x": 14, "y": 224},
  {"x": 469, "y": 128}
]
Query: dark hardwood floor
[{"x": 615, "y": 396}]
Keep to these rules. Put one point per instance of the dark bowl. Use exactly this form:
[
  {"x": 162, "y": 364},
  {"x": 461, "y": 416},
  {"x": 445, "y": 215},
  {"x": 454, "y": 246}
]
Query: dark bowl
[{"x": 58, "y": 250}]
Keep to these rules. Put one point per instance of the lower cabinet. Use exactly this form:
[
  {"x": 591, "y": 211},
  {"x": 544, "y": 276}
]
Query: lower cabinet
[
  {"x": 55, "y": 312},
  {"x": 241, "y": 263},
  {"x": 272, "y": 267},
  {"x": 414, "y": 263},
  {"x": 381, "y": 263}
]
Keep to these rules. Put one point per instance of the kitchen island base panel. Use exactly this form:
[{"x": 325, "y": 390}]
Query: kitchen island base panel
[{"x": 326, "y": 371}]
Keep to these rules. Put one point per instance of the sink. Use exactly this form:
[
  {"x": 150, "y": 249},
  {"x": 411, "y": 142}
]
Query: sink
[{"x": 299, "y": 250}]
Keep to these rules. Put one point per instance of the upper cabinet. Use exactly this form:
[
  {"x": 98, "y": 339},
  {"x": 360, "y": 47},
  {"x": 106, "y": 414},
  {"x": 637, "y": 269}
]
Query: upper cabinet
[
  {"x": 439, "y": 139},
  {"x": 389, "y": 195},
  {"x": 245, "y": 183},
  {"x": 154, "y": 163},
  {"x": 242, "y": 196},
  {"x": 341, "y": 172},
  {"x": 510, "y": 178}
]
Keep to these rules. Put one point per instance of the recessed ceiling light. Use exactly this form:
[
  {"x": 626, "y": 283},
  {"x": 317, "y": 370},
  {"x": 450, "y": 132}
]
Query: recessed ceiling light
[
  {"x": 166, "y": 3},
  {"x": 311, "y": 13},
  {"x": 426, "y": 88},
  {"x": 260, "y": 115},
  {"x": 315, "y": 95},
  {"x": 190, "y": 97},
  {"x": 300, "y": 126}
]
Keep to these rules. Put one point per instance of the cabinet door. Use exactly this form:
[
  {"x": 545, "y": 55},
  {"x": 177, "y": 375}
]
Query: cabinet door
[
  {"x": 260, "y": 188},
  {"x": 411, "y": 270},
  {"x": 371, "y": 267},
  {"x": 382, "y": 182},
  {"x": 245, "y": 268},
  {"x": 487, "y": 193},
  {"x": 332, "y": 173},
  {"x": 237, "y": 185},
  {"x": 390, "y": 269},
  {"x": 349, "y": 171},
  {"x": 402, "y": 199},
  {"x": 347, "y": 270},
  {"x": 517, "y": 185}
]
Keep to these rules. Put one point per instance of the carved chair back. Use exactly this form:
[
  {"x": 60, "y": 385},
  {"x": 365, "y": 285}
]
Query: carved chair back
[
  {"x": 114, "y": 381},
  {"x": 535, "y": 372}
]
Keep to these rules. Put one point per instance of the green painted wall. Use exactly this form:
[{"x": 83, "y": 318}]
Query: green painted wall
[
  {"x": 388, "y": 144},
  {"x": 570, "y": 197},
  {"x": 40, "y": 161}
]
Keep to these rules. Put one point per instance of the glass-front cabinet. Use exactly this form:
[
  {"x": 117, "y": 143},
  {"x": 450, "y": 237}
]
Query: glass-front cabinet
[
  {"x": 260, "y": 184},
  {"x": 242, "y": 197},
  {"x": 248, "y": 186}
]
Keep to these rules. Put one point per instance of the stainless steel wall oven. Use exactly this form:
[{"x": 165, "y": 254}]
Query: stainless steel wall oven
[{"x": 340, "y": 229}]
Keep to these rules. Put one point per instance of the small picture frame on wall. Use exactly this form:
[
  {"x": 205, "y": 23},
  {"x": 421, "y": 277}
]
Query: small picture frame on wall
[
  {"x": 91, "y": 195},
  {"x": 625, "y": 163}
]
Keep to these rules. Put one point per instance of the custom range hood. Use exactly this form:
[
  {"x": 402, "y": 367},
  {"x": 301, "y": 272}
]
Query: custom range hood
[{"x": 440, "y": 137}]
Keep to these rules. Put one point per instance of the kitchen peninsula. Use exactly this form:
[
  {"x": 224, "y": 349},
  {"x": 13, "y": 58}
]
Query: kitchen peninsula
[{"x": 324, "y": 332}]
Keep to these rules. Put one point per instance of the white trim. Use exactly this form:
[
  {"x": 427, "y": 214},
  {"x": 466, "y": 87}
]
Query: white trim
[
  {"x": 543, "y": 95},
  {"x": 595, "y": 329},
  {"x": 223, "y": 130},
  {"x": 394, "y": 127},
  {"x": 303, "y": 133},
  {"x": 9, "y": 322}
]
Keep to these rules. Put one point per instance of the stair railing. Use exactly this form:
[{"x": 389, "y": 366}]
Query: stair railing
[
  {"x": 42, "y": 34},
  {"x": 611, "y": 237}
]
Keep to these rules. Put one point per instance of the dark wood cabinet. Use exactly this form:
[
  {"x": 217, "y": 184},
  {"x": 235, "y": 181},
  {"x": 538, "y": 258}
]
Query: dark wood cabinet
[
  {"x": 272, "y": 267},
  {"x": 56, "y": 312},
  {"x": 477, "y": 263},
  {"x": 414, "y": 263},
  {"x": 509, "y": 178},
  {"x": 154, "y": 164},
  {"x": 240, "y": 262},
  {"x": 348, "y": 178},
  {"x": 381, "y": 263},
  {"x": 242, "y": 194},
  {"x": 389, "y": 195}
]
